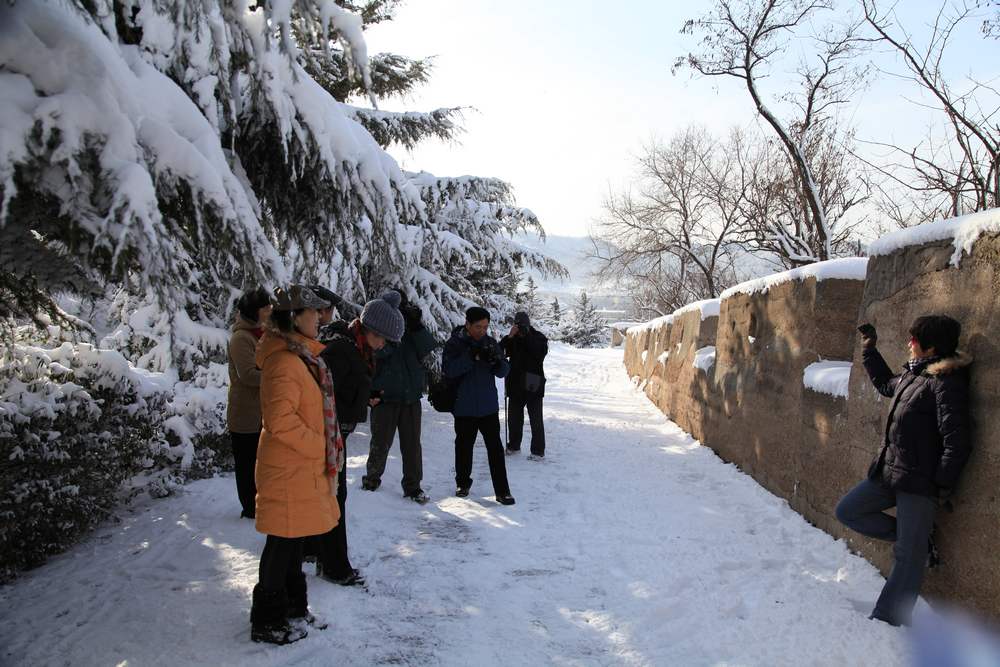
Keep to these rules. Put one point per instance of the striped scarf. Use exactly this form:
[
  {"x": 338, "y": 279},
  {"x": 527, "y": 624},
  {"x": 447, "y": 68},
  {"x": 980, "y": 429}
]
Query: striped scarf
[
  {"x": 915, "y": 366},
  {"x": 331, "y": 428}
]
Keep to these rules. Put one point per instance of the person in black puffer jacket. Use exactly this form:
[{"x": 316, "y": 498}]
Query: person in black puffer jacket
[
  {"x": 924, "y": 448},
  {"x": 349, "y": 354},
  {"x": 526, "y": 348}
]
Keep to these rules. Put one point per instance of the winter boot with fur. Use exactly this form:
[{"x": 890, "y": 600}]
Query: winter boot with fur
[
  {"x": 298, "y": 604},
  {"x": 269, "y": 618}
]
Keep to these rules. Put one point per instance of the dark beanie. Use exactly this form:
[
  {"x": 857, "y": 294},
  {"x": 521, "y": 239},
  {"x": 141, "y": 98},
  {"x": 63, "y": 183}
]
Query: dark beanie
[{"x": 382, "y": 316}]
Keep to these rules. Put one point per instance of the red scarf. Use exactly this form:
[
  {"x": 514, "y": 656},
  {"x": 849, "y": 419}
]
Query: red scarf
[
  {"x": 361, "y": 342},
  {"x": 257, "y": 332}
]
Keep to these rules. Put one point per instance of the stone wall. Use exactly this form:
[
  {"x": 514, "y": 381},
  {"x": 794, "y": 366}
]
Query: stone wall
[{"x": 810, "y": 448}]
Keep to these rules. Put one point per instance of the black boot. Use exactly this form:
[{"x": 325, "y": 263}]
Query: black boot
[
  {"x": 269, "y": 618},
  {"x": 298, "y": 604}
]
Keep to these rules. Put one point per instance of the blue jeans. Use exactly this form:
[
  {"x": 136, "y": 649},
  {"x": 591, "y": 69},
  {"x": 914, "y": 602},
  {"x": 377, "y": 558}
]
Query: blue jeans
[{"x": 863, "y": 510}]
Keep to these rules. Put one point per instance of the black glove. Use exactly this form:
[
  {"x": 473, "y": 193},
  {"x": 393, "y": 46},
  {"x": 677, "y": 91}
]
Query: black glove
[
  {"x": 346, "y": 429},
  {"x": 488, "y": 353},
  {"x": 412, "y": 316},
  {"x": 869, "y": 337}
]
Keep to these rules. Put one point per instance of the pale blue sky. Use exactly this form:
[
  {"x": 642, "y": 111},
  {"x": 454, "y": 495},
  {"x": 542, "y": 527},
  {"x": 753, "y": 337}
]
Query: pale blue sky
[{"x": 567, "y": 91}]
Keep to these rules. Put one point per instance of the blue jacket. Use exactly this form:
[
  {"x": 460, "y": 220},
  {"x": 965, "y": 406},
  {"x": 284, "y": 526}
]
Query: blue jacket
[{"x": 477, "y": 389}]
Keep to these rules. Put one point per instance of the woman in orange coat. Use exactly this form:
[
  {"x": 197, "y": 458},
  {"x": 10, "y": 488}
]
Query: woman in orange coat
[{"x": 300, "y": 453}]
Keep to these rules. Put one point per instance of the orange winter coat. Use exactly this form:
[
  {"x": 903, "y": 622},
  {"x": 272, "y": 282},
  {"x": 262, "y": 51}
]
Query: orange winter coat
[{"x": 293, "y": 492}]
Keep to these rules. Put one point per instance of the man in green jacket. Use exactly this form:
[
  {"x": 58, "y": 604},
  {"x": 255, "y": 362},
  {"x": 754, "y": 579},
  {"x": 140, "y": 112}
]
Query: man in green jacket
[{"x": 400, "y": 379}]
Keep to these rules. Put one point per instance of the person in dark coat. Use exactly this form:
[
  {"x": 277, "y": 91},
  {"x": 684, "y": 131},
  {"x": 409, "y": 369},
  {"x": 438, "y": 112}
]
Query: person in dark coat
[
  {"x": 474, "y": 360},
  {"x": 349, "y": 354},
  {"x": 243, "y": 406},
  {"x": 924, "y": 449},
  {"x": 400, "y": 379},
  {"x": 526, "y": 348}
]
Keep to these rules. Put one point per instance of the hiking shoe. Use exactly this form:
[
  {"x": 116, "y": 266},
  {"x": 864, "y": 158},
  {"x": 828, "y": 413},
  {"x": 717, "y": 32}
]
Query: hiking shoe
[
  {"x": 505, "y": 499},
  {"x": 536, "y": 457},
  {"x": 370, "y": 484},
  {"x": 418, "y": 497},
  {"x": 279, "y": 633},
  {"x": 353, "y": 578},
  {"x": 511, "y": 450},
  {"x": 462, "y": 491},
  {"x": 310, "y": 620}
]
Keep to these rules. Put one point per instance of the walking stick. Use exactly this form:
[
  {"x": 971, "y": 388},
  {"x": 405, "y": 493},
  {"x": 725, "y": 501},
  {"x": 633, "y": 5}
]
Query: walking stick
[{"x": 506, "y": 438}]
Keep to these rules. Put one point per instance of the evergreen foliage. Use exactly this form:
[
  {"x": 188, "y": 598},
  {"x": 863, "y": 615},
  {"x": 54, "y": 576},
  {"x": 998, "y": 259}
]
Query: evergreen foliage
[{"x": 584, "y": 327}]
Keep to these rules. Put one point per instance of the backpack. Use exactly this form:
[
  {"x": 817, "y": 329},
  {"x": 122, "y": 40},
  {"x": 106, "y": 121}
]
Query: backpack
[{"x": 442, "y": 393}]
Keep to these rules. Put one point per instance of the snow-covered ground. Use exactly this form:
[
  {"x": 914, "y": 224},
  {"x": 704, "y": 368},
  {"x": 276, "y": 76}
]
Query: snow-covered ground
[{"x": 629, "y": 544}]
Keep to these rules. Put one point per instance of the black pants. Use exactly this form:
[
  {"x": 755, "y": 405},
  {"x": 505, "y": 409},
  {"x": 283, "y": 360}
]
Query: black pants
[
  {"x": 386, "y": 419},
  {"x": 515, "y": 418},
  {"x": 331, "y": 548},
  {"x": 281, "y": 564},
  {"x": 245, "y": 458},
  {"x": 466, "y": 430}
]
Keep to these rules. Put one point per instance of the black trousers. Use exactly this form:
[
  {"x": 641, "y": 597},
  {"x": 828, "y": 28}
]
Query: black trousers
[
  {"x": 331, "y": 548},
  {"x": 466, "y": 430},
  {"x": 385, "y": 420},
  {"x": 245, "y": 458},
  {"x": 281, "y": 564},
  {"x": 515, "y": 419}
]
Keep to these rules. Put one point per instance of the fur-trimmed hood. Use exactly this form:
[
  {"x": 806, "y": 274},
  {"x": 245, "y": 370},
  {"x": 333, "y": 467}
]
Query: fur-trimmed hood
[{"x": 949, "y": 365}]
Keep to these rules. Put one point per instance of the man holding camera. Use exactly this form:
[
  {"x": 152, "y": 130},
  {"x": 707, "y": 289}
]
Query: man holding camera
[
  {"x": 400, "y": 379},
  {"x": 526, "y": 348},
  {"x": 474, "y": 360}
]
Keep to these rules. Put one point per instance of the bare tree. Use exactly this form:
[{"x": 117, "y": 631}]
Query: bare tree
[
  {"x": 769, "y": 193},
  {"x": 944, "y": 176},
  {"x": 671, "y": 240},
  {"x": 991, "y": 24},
  {"x": 742, "y": 39}
]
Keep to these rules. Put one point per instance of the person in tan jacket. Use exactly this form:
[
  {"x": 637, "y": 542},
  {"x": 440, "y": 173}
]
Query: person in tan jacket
[
  {"x": 243, "y": 408},
  {"x": 299, "y": 457}
]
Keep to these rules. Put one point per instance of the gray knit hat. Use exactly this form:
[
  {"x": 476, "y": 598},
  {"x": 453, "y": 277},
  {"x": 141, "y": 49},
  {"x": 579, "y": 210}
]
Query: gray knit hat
[{"x": 382, "y": 316}]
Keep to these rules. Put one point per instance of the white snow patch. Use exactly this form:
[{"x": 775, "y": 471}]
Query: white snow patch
[
  {"x": 704, "y": 358},
  {"x": 828, "y": 377},
  {"x": 708, "y": 308},
  {"x": 846, "y": 268},
  {"x": 963, "y": 231},
  {"x": 652, "y": 325}
]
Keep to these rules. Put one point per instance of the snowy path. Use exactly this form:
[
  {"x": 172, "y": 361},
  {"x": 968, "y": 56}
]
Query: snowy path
[{"x": 629, "y": 544}]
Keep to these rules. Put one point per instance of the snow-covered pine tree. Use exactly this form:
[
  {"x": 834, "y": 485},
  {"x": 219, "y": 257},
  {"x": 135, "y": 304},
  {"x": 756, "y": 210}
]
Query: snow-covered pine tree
[
  {"x": 584, "y": 328},
  {"x": 184, "y": 153},
  {"x": 470, "y": 257},
  {"x": 555, "y": 312},
  {"x": 463, "y": 253},
  {"x": 529, "y": 300}
]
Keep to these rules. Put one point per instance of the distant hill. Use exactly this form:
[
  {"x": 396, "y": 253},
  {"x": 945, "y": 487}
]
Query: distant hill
[{"x": 573, "y": 252}]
